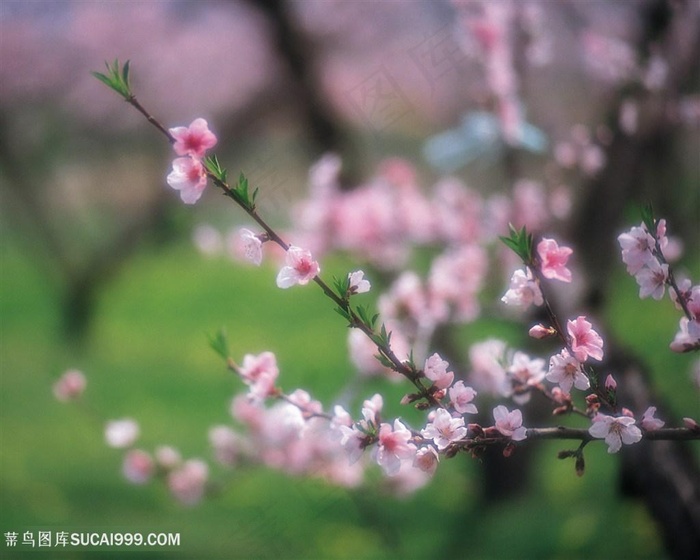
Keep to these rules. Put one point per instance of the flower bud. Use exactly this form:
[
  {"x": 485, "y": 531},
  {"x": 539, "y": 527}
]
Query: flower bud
[
  {"x": 610, "y": 383},
  {"x": 565, "y": 454},
  {"x": 475, "y": 430},
  {"x": 580, "y": 465},
  {"x": 691, "y": 424},
  {"x": 540, "y": 331}
]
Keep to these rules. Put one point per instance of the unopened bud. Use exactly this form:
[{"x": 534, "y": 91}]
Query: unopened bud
[
  {"x": 422, "y": 405},
  {"x": 580, "y": 465},
  {"x": 540, "y": 331},
  {"x": 475, "y": 430},
  {"x": 691, "y": 424},
  {"x": 565, "y": 454},
  {"x": 409, "y": 398},
  {"x": 508, "y": 450},
  {"x": 627, "y": 412},
  {"x": 592, "y": 399},
  {"x": 560, "y": 410},
  {"x": 610, "y": 383}
]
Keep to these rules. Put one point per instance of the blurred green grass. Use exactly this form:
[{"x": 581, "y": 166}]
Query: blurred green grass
[{"x": 147, "y": 357}]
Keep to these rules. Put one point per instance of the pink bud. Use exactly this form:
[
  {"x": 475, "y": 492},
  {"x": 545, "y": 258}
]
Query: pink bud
[
  {"x": 540, "y": 331},
  {"x": 69, "y": 386},
  {"x": 610, "y": 383}
]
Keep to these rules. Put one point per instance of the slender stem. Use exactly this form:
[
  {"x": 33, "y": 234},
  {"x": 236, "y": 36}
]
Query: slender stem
[{"x": 150, "y": 118}]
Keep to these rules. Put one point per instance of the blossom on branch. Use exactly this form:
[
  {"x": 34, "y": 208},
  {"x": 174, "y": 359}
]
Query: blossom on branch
[
  {"x": 188, "y": 482},
  {"x": 523, "y": 290},
  {"x": 649, "y": 423},
  {"x": 444, "y": 429},
  {"x": 394, "y": 446},
  {"x": 585, "y": 342},
  {"x": 652, "y": 279},
  {"x": 461, "y": 398},
  {"x": 357, "y": 283},
  {"x": 436, "y": 370},
  {"x": 189, "y": 177},
  {"x": 637, "y": 245},
  {"x": 615, "y": 431},
  {"x": 510, "y": 423},
  {"x": 248, "y": 245},
  {"x": 553, "y": 260},
  {"x": 565, "y": 370},
  {"x": 300, "y": 268},
  {"x": 193, "y": 140}
]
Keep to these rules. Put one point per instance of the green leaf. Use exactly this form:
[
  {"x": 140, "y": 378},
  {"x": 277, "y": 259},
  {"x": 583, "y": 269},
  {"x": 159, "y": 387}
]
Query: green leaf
[
  {"x": 116, "y": 78},
  {"x": 219, "y": 343},
  {"x": 341, "y": 286},
  {"x": 521, "y": 242},
  {"x": 386, "y": 362},
  {"x": 343, "y": 313},
  {"x": 648, "y": 218}
]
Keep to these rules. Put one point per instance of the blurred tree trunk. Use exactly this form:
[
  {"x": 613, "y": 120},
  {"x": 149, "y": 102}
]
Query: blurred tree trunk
[{"x": 319, "y": 120}]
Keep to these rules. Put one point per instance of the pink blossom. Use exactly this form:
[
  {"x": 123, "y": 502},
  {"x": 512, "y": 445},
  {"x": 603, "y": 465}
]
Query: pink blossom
[
  {"x": 393, "y": 447},
  {"x": 444, "y": 429},
  {"x": 207, "y": 240},
  {"x": 523, "y": 373},
  {"x": 255, "y": 366},
  {"x": 455, "y": 279},
  {"x": 70, "y": 385},
  {"x": 585, "y": 342},
  {"x": 523, "y": 290},
  {"x": 553, "y": 260},
  {"x": 435, "y": 369},
  {"x": 167, "y": 457},
  {"x": 353, "y": 442},
  {"x": 227, "y": 444},
  {"x": 565, "y": 370},
  {"x": 688, "y": 336},
  {"x": 188, "y": 177},
  {"x": 610, "y": 383},
  {"x": 138, "y": 466},
  {"x": 615, "y": 431},
  {"x": 461, "y": 398},
  {"x": 193, "y": 140},
  {"x": 300, "y": 268},
  {"x": 121, "y": 433},
  {"x": 649, "y": 423},
  {"x": 637, "y": 245},
  {"x": 358, "y": 284},
  {"x": 652, "y": 279},
  {"x": 188, "y": 482},
  {"x": 510, "y": 423},
  {"x": 303, "y": 401},
  {"x": 372, "y": 409},
  {"x": 486, "y": 359},
  {"x": 248, "y": 245},
  {"x": 426, "y": 459}
]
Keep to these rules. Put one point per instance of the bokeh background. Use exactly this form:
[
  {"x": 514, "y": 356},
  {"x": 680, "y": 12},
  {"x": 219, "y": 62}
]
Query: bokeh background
[{"x": 99, "y": 270}]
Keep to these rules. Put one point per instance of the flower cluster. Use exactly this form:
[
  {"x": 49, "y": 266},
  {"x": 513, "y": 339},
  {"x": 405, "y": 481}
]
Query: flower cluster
[
  {"x": 191, "y": 144},
  {"x": 643, "y": 249}
]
